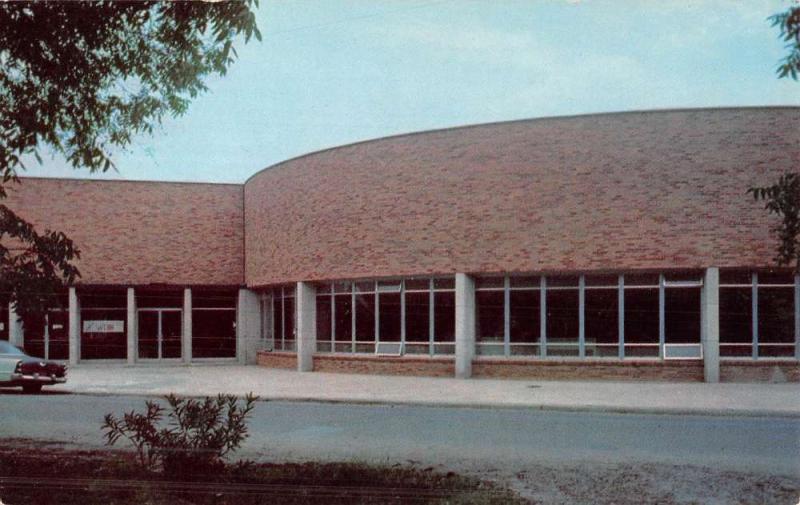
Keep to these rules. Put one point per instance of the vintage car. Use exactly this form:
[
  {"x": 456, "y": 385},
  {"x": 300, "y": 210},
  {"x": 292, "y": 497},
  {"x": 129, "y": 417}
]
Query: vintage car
[{"x": 19, "y": 369}]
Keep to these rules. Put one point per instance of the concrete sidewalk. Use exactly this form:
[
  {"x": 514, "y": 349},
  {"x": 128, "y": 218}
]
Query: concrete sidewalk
[{"x": 271, "y": 384}]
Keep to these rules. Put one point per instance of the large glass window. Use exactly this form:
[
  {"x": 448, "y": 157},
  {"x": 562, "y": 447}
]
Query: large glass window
[
  {"x": 343, "y": 321},
  {"x": 736, "y": 314},
  {"x": 3, "y": 318},
  {"x": 283, "y": 330},
  {"x": 601, "y": 316},
  {"x": 324, "y": 319},
  {"x": 641, "y": 315},
  {"x": 428, "y": 327},
  {"x": 389, "y": 296},
  {"x": 418, "y": 323},
  {"x": 524, "y": 316},
  {"x": 365, "y": 317},
  {"x": 563, "y": 316},
  {"x": 213, "y": 324},
  {"x": 444, "y": 317},
  {"x": 47, "y": 334},
  {"x": 490, "y": 316},
  {"x": 104, "y": 330},
  {"x": 775, "y": 315},
  {"x": 682, "y": 315}
]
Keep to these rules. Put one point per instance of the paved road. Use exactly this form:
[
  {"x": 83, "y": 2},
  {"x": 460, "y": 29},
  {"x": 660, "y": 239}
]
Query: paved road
[{"x": 460, "y": 436}]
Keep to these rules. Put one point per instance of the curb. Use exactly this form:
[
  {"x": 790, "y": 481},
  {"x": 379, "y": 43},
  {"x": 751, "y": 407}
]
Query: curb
[{"x": 544, "y": 407}]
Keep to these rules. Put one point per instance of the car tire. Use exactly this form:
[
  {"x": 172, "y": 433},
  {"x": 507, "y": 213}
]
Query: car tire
[{"x": 32, "y": 389}]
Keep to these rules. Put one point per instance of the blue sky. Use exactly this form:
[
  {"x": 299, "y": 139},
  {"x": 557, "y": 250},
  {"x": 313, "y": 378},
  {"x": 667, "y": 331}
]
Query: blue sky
[{"x": 331, "y": 72}]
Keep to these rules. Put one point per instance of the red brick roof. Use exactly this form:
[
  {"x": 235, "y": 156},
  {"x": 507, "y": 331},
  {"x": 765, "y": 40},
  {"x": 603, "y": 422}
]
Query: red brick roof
[
  {"x": 142, "y": 232},
  {"x": 639, "y": 190}
]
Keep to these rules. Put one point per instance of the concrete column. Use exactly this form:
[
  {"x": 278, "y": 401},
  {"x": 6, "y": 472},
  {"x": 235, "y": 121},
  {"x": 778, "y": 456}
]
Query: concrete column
[
  {"x": 306, "y": 306},
  {"x": 248, "y": 326},
  {"x": 16, "y": 334},
  {"x": 187, "y": 325},
  {"x": 132, "y": 327},
  {"x": 465, "y": 325},
  {"x": 74, "y": 327},
  {"x": 710, "y": 321}
]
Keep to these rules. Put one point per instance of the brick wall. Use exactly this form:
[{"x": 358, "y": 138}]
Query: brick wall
[
  {"x": 641, "y": 190},
  {"x": 273, "y": 359},
  {"x": 760, "y": 371},
  {"x": 142, "y": 232},
  {"x": 639, "y": 370}
]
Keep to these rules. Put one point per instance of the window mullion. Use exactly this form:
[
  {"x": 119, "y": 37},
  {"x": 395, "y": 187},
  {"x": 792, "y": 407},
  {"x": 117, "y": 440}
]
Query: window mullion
[
  {"x": 621, "y": 315},
  {"x": 755, "y": 314},
  {"x": 661, "y": 322},
  {"x": 353, "y": 315},
  {"x": 402, "y": 317},
  {"x": 431, "y": 323},
  {"x": 543, "y": 316},
  {"x": 581, "y": 317},
  {"x": 506, "y": 316},
  {"x": 797, "y": 317}
]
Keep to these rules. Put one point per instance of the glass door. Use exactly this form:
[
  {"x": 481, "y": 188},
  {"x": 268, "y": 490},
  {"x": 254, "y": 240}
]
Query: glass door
[
  {"x": 171, "y": 333},
  {"x": 160, "y": 333},
  {"x": 57, "y": 334}
]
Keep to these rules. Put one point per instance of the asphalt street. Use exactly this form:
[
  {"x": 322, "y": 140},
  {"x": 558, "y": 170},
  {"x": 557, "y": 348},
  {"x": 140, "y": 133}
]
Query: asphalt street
[{"x": 297, "y": 431}]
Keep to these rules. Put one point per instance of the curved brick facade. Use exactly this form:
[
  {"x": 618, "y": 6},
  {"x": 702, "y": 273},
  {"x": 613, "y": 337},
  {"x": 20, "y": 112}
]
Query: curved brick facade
[
  {"x": 135, "y": 233},
  {"x": 639, "y": 190}
]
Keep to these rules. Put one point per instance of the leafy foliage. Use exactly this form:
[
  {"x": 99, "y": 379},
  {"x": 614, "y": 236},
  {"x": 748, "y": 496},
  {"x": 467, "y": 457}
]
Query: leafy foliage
[
  {"x": 789, "y": 25},
  {"x": 80, "y": 77},
  {"x": 783, "y": 199},
  {"x": 33, "y": 266},
  {"x": 200, "y": 433}
]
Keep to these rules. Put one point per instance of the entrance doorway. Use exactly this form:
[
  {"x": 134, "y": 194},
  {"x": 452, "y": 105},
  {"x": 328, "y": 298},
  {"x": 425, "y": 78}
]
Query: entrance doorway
[{"x": 160, "y": 333}]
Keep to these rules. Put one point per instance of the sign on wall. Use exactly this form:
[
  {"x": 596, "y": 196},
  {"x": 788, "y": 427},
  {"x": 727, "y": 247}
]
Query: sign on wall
[{"x": 103, "y": 326}]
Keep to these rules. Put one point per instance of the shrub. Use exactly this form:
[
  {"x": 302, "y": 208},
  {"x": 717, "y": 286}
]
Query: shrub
[{"x": 198, "y": 436}]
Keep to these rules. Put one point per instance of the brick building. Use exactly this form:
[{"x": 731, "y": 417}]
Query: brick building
[{"x": 602, "y": 246}]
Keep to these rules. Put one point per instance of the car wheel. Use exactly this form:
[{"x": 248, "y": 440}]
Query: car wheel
[{"x": 32, "y": 389}]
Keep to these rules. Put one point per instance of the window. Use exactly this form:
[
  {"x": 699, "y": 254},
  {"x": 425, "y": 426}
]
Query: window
[
  {"x": 324, "y": 320},
  {"x": 736, "y": 314},
  {"x": 343, "y": 320},
  {"x": 775, "y": 315},
  {"x": 365, "y": 317},
  {"x": 490, "y": 316},
  {"x": 3, "y": 318},
  {"x": 444, "y": 316},
  {"x": 283, "y": 330},
  {"x": 563, "y": 317},
  {"x": 213, "y": 324},
  {"x": 641, "y": 299},
  {"x": 601, "y": 316},
  {"x": 524, "y": 316},
  {"x": 682, "y": 315},
  {"x": 418, "y": 323},
  {"x": 47, "y": 335},
  {"x": 389, "y": 310},
  {"x": 104, "y": 320}
]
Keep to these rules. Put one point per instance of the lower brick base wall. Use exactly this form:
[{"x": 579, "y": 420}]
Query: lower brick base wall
[
  {"x": 760, "y": 371},
  {"x": 494, "y": 368},
  {"x": 671, "y": 371},
  {"x": 272, "y": 359},
  {"x": 386, "y": 365}
]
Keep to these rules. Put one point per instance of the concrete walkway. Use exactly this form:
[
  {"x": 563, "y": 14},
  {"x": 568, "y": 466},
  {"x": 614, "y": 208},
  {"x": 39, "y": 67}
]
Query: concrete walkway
[{"x": 270, "y": 384}]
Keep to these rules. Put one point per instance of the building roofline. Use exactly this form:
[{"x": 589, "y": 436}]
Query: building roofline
[
  {"x": 565, "y": 117},
  {"x": 137, "y": 181}
]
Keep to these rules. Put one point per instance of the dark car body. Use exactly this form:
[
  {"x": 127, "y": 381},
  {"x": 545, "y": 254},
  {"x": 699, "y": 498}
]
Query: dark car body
[{"x": 20, "y": 370}]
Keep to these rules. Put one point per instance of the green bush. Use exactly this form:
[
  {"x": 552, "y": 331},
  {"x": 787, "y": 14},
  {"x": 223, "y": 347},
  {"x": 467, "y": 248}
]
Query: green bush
[{"x": 198, "y": 436}]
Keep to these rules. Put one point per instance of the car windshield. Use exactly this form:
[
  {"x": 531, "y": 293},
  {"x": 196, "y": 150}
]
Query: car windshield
[{"x": 6, "y": 348}]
